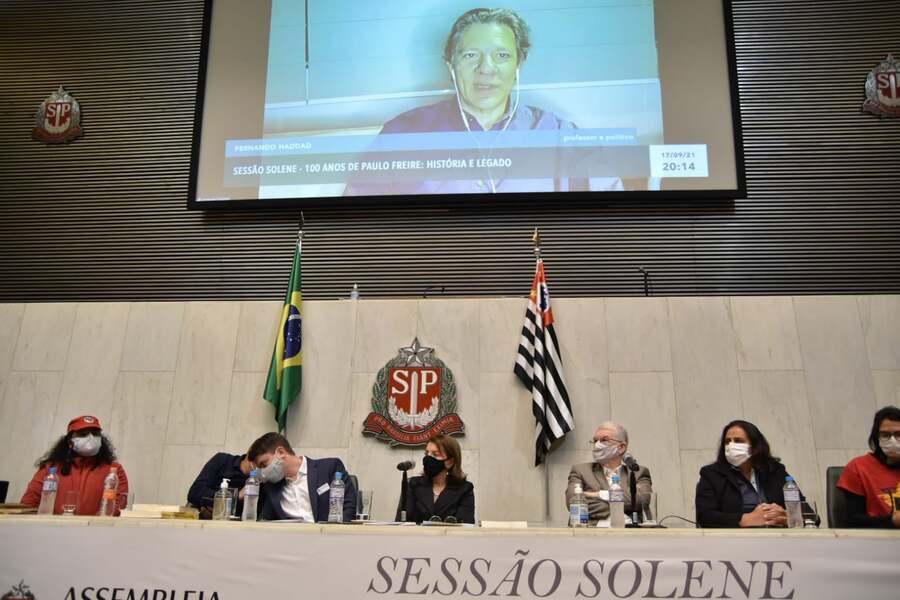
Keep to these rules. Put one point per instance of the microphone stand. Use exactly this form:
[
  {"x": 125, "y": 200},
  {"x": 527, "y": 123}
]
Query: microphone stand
[
  {"x": 401, "y": 510},
  {"x": 632, "y": 484}
]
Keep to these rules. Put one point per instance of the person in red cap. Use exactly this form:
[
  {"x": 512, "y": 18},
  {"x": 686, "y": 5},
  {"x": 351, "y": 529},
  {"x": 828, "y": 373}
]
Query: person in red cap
[{"x": 83, "y": 458}]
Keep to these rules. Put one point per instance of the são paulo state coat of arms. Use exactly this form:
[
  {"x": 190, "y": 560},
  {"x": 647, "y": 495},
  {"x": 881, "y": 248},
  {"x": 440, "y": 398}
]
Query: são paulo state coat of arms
[
  {"x": 413, "y": 399},
  {"x": 58, "y": 118}
]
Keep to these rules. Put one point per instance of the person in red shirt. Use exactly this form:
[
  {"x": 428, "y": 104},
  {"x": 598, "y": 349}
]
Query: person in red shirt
[
  {"x": 83, "y": 458},
  {"x": 871, "y": 483}
]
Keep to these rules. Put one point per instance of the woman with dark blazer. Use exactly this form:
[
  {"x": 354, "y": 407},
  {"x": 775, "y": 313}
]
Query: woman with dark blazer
[
  {"x": 442, "y": 491},
  {"x": 744, "y": 487}
]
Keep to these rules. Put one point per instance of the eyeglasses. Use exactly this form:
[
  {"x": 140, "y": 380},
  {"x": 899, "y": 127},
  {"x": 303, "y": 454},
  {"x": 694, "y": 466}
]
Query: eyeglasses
[
  {"x": 437, "y": 519},
  {"x": 886, "y": 435},
  {"x": 605, "y": 441}
]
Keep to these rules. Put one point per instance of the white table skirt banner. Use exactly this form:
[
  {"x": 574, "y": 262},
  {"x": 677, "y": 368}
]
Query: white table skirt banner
[{"x": 114, "y": 562}]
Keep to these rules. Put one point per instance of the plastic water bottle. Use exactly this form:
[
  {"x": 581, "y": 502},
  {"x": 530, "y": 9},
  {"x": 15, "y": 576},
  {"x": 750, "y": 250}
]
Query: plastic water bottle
[
  {"x": 336, "y": 499},
  {"x": 616, "y": 504},
  {"x": 251, "y": 496},
  {"x": 792, "y": 503},
  {"x": 578, "y": 510},
  {"x": 110, "y": 493},
  {"x": 222, "y": 502},
  {"x": 354, "y": 293},
  {"x": 48, "y": 493}
]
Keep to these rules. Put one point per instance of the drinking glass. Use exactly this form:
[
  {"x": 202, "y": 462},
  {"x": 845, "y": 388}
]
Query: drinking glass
[
  {"x": 647, "y": 507},
  {"x": 363, "y": 504},
  {"x": 70, "y": 502},
  {"x": 125, "y": 501},
  {"x": 235, "y": 498},
  {"x": 810, "y": 515}
]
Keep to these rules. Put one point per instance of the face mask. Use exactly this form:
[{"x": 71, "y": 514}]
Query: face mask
[
  {"x": 891, "y": 447},
  {"x": 88, "y": 445},
  {"x": 273, "y": 472},
  {"x": 737, "y": 454},
  {"x": 603, "y": 453},
  {"x": 433, "y": 466}
]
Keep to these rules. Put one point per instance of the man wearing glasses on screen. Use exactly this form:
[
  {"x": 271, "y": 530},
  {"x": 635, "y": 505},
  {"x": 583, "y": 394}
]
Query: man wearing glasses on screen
[{"x": 483, "y": 53}]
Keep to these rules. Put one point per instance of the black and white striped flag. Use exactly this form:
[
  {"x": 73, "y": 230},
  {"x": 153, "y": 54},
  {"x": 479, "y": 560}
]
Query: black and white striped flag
[{"x": 539, "y": 366}]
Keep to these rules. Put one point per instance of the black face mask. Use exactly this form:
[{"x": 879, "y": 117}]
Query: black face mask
[{"x": 433, "y": 466}]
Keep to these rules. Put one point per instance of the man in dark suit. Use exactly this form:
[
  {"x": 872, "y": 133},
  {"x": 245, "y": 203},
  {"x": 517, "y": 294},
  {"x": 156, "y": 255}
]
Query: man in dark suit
[
  {"x": 234, "y": 468},
  {"x": 296, "y": 487},
  {"x": 610, "y": 443}
]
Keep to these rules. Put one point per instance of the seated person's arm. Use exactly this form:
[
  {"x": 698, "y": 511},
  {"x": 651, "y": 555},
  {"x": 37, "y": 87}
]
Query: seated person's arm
[
  {"x": 349, "y": 495},
  {"x": 644, "y": 483},
  {"x": 122, "y": 491},
  {"x": 706, "y": 504},
  {"x": 264, "y": 510},
  {"x": 203, "y": 490},
  {"x": 32, "y": 495},
  {"x": 643, "y": 489},
  {"x": 858, "y": 516},
  {"x": 465, "y": 510}
]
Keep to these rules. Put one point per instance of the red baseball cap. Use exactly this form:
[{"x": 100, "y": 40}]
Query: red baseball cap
[{"x": 84, "y": 422}]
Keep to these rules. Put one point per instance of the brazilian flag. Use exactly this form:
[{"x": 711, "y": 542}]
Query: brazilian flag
[{"x": 285, "y": 372}]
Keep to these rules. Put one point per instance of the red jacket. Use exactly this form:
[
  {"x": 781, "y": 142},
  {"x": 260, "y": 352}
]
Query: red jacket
[{"x": 86, "y": 478}]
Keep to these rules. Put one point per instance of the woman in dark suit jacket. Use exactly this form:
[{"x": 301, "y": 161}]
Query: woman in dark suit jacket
[
  {"x": 744, "y": 487},
  {"x": 443, "y": 490}
]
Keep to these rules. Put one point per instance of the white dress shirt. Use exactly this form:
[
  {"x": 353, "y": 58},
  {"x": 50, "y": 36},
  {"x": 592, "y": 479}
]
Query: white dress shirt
[
  {"x": 295, "y": 495},
  {"x": 620, "y": 471}
]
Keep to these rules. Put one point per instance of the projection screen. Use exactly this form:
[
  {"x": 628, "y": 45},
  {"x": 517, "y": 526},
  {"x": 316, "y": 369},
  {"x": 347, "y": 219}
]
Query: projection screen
[{"x": 352, "y": 101}]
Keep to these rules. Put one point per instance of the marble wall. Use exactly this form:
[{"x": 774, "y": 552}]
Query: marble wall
[{"x": 175, "y": 382}]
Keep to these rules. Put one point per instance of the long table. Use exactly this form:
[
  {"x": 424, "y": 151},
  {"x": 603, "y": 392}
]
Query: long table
[{"x": 90, "y": 558}]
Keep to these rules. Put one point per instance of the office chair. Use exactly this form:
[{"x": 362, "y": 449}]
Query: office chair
[{"x": 837, "y": 504}]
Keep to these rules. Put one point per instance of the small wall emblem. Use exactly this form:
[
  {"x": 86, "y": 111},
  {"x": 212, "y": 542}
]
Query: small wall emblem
[
  {"x": 18, "y": 592},
  {"x": 413, "y": 399},
  {"x": 58, "y": 118},
  {"x": 883, "y": 89}
]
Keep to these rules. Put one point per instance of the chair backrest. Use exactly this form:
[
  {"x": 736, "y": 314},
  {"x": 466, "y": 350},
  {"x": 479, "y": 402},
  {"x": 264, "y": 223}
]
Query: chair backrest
[
  {"x": 4, "y": 487},
  {"x": 837, "y": 504},
  {"x": 354, "y": 480}
]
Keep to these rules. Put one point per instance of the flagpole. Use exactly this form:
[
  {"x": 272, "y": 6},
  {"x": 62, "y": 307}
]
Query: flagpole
[
  {"x": 285, "y": 378},
  {"x": 300, "y": 232},
  {"x": 536, "y": 241},
  {"x": 299, "y": 248}
]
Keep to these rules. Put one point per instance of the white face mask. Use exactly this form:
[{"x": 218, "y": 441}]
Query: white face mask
[
  {"x": 88, "y": 445},
  {"x": 891, "y": 447},
  {"x": 736, "y": 453},
  {"x": 603, "y": 453},
  {"x": 272, "y": 472}
]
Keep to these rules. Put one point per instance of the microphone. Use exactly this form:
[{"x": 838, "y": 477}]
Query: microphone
[
  {"x": 406, "y": 465},
  {"x": 630, "y": 462},
  {"x": 646, "y": 281}
]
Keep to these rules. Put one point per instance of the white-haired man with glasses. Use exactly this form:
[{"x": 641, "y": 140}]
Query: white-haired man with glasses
[{"x": 609, "y": 445}]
